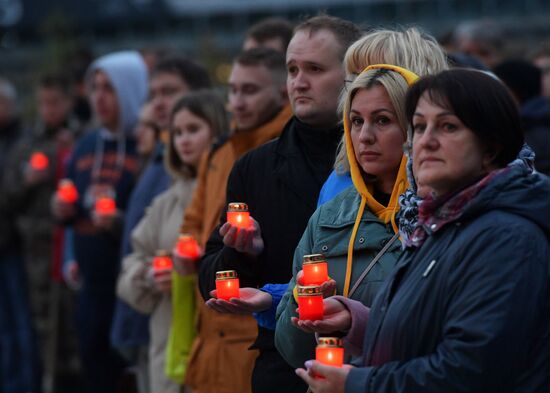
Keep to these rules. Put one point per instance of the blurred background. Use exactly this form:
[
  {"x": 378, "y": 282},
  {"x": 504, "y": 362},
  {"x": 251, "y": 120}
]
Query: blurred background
[{"x": 40, "y": 36}]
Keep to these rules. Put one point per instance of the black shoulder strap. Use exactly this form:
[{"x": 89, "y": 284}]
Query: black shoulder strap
[{"x": 372, "y": 263}]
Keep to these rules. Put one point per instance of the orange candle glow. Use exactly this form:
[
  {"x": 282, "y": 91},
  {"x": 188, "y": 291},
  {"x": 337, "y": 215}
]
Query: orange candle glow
[
  {"x": 162, "y": 262},
  {"x": 227, "y": 284},
  {"x": 66, "y": 191},
  {"x": 238, "y": 215},
  {"x": 187, "y": 247},
  {"x": 39, "y": 161},
  {"x": 310, "y": 302},
  {"x": 315, "y": 269},
  {"x": 105, "y": 206},
  {"x": 330, "y": 351}
]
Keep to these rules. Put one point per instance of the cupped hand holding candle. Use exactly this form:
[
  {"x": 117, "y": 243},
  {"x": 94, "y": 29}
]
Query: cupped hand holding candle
[
  {"x": 105, "y": 206},
  {"x": 245, "y": 240},
  {"x": 227, "y": 284},
  {"x": 328, "y": 288},
  {"x": 250, "y": 300},
  {"x": 336, "y": 318},
  {"x": 66, "y": 191},
  {"x": 324, "y": 379},
  {"x": 185, "y": 255},
  {"x": 104, "y": 213},
  {"x": 162, "y": 271},
  {"x": 39, "y": 161},
  {"x": 36, "y": 170}
]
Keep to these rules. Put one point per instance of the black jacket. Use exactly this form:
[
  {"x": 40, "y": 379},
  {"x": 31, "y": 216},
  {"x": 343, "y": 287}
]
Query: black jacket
[
  {"x": 281, "y": 189},
  {"x": 469, "y": 311}
]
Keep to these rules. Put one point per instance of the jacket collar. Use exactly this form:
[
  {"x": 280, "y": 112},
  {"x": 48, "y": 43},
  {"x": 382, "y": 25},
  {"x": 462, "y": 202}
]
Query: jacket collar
[{"x": 291, "y": 168}]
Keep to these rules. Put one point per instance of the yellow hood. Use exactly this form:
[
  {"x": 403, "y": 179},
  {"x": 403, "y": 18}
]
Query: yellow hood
[{"x": 384, "y": 213}]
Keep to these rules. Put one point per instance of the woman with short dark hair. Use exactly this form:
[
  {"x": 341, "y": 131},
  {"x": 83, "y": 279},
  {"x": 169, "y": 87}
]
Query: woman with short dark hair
[{"x": 467, "y": 307}]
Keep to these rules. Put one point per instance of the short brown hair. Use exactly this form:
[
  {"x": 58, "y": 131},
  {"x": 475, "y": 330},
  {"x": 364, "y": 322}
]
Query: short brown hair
[
  {"x": 346, "y": 32},
  {"x": 271, "y": 28},
  {"x": 271, "y": 59}
]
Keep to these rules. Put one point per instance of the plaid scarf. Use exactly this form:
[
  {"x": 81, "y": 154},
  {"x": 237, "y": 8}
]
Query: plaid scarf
[{"x": 419, "y": 218}]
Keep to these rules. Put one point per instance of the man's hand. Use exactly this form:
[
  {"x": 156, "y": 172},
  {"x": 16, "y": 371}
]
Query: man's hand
[
  {"x": 33, "y": 176},
  {"x": 324, "y": 379},
  {"x": 251, "y": 300},
  {"x": 337, "y": 318},
  {"x": 246, "y": 240},
  {"x": 104, "y": 222},
  {"x": 185, "y": 266},
  {"x": 61, "y": 210}
]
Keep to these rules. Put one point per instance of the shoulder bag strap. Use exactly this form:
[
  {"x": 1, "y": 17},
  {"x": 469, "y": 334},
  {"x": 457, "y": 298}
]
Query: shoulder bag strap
[{"x": 372, "y": 263}]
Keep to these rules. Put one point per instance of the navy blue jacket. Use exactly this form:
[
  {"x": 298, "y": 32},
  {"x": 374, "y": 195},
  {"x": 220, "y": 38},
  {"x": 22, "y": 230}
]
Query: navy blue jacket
[
  {"x": 469, "y": 310},
  {"x": 97, "y": 252}
]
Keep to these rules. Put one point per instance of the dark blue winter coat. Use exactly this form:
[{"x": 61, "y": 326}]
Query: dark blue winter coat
[{"x": 469, "y": 311}]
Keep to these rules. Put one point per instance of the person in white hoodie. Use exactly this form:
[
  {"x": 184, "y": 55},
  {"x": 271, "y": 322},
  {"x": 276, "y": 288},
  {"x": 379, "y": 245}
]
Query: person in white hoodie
[{"x": 104, "y": 163}]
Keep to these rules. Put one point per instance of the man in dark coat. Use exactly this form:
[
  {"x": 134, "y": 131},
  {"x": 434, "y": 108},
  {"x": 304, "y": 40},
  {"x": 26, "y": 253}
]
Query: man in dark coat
[{"x": 281, "y": 180}]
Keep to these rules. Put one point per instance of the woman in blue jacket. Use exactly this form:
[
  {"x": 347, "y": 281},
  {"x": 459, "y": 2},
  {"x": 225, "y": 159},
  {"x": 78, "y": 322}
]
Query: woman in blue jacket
[{"x": 466, "y": 308}]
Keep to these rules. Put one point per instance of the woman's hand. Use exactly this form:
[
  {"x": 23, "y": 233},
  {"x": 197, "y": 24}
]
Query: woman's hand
[
  {"x": 185, "y": 266},
  {"x": 251, "y": 300},
  {"x": 245, "y": 240},
  {"x": 337, "y": 318},
  {"x": 328, "y": 288},
  {"x": 161, "y": 280},
  {"x": 333, "y": 378}
]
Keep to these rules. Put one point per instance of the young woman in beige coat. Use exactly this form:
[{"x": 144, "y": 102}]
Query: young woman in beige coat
[{"x": 197, "y": 120}]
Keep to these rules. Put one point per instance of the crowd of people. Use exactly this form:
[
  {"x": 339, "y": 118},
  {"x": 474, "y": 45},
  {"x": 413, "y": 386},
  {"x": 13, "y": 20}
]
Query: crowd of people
[{"x": 418, "y": 173}]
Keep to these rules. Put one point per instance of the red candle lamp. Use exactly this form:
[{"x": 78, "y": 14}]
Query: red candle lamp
[
  {"x": 39, "y": 161},
  {"x": 105, "y": 206},
  {"x": 330, "y": 351},
  {"x": 66, "y": 191},
  {"x": 162, "y": 262},
  {"x": 315, "y": 269},
  {"x": 227, "y": 284},
  {"x": 238, "y": 215},
  {"x": 187, "y": 247},
  {"x": 310, "y": 302}
]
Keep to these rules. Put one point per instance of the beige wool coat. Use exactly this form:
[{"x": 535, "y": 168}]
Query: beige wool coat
[{"x": 158, "y": 229}]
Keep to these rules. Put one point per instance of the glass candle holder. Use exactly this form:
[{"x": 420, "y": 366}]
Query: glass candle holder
[
  {"x": 227, "y": 284},
  {"x": 39, "y": 161},
  {"x": 187, "y": 247},
  {"x": 330, "y": 351},
  {"x": 105, "y": 206},
  {"x": 66, "y": 191},
  {"x": 162, "y": 262},
  {"x": 310, "y": 302},
  {"x": 315, "y": 269},
  {"x": 238, "y": 215}
]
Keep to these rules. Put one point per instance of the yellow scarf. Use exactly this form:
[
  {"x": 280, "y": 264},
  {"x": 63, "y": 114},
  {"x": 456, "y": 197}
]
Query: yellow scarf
[{"x": 385, "y": 213}]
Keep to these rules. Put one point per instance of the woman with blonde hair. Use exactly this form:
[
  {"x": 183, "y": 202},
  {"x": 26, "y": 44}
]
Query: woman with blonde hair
[
  {"x": 196, "y": 121},
  {"x": 356, "y": 231},
  {"x": 411, "y": 49}
]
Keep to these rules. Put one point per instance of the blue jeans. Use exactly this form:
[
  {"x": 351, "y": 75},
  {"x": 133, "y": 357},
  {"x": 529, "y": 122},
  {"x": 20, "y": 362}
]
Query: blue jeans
[{"x": 20, "y": 369}]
